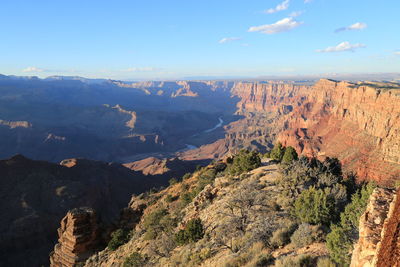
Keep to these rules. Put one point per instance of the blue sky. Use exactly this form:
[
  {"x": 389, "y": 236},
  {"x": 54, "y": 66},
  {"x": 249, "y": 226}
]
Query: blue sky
[{"x": 165, "y": 39}]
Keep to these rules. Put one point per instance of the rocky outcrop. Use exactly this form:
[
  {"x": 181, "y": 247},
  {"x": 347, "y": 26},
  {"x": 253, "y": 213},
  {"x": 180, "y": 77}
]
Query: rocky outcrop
[
  {"x": 357, "y": 123},
  {"x": 375, "y": 228},
  {"x": 389, "y": 253},
  {"x": 78, "y": 238}
]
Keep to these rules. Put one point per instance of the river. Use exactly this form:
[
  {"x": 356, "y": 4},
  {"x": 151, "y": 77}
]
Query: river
[{"x": 221, "y": 122}]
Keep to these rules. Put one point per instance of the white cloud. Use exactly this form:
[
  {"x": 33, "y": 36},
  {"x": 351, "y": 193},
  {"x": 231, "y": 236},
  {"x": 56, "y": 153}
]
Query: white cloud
[
  {"x": 142, "y": 69},
  {"x": 397, "y": 53},
  {"x": 282, "y": 6},
  {"x": 356, "y": 26},
  {"x": 307, "y": 1},
  {"x": 229, "y": 39},
  {"x": 32, "y": 69},
  {"x": 282, "y": 25},
  {"x": 343, "y": 46},
  {"x": 295, "y": 14}
]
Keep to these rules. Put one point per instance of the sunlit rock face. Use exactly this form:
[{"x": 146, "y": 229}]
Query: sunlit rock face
[
  {"x": 378, "y": 243},
  {"x": 78, "y": 237}
]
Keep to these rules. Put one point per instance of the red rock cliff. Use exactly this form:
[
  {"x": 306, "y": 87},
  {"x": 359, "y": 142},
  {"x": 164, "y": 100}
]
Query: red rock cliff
[
  {"x": 358, "y": 124},
  {"x": 265, "y": 97}
]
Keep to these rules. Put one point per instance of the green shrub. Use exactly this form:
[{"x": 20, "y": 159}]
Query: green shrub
[
  {"x": 314, "y": 206},
  {"x": 351, "y": 216},
  {"x": 281, "y": 236},
  {"x": 180, "y": 238},
  {"x": 134, "y": 260},
  {"x": 169, "y": 198},
  {"x": 152, "y": 223},
  {"x": 118, "y": 238},
  {"x": 153, "y": 219},
  {"x": 296, "y": 261},
  {"x": 306, "y": 234},
  {"x": 186, "y": 198},
  {"x": 277, "y": 152},
  {"x": 325, "y": 262},
  {"x": 150, "y": 234},
  {"x": 205, "y": 177},
  {"x": 264, "y": 260},
  {"x": 173, "y": 181},
  {"x": 289, "y": 155},
  {"x": 244, "y": 161},
  {"x": 186, "y": 176},
  {"x": 192, "y": 233},
  {"x": 340, "y": 245},
  {"x": 194, "y": 230}
]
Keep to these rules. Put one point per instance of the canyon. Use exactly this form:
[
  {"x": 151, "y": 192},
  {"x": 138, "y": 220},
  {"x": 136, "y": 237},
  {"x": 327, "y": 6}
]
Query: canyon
[
  {"x": 145, "y": 127},
  {"x": 123, "y": 122},
  {"x": 357, "y": 123}
]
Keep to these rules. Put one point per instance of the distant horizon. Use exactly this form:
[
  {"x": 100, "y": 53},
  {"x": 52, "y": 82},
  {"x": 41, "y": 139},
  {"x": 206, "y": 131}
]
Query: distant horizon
[
  {"x": 169, "y": 40},
  {"x": 379, "y": 76}
]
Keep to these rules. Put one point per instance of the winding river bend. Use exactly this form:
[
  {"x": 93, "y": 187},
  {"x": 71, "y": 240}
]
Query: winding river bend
[
  {"x": 221, "y": 122},
  {"x": 172, "y": 154},
  {"x": 190, "y": 147}
]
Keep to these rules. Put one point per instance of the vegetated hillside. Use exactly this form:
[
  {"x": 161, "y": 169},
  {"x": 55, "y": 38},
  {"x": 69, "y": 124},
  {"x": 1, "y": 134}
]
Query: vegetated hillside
[
  {"x": 37, "y": 194},
  {"x": 243, "y": 212}
]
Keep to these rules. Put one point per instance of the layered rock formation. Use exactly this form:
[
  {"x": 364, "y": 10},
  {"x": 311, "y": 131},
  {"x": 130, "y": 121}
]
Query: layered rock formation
[
  {"x": 379, "y": 242},
  {"x": 78, "y": 237},
  {"x": 389, "y": 253},
  {"x": 357, "y": 123},
  {"x": 269, "y": 97}
]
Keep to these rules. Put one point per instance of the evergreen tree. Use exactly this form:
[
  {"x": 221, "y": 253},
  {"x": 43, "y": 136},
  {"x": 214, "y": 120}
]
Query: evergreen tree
[
  {"x": 277, "y": 152},
  {"x": 290, "y": 155},
  {"x": 314, "y": 206}
]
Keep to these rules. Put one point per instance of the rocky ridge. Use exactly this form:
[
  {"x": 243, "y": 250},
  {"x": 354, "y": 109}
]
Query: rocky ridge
[{"x": 378, "y": 243}]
